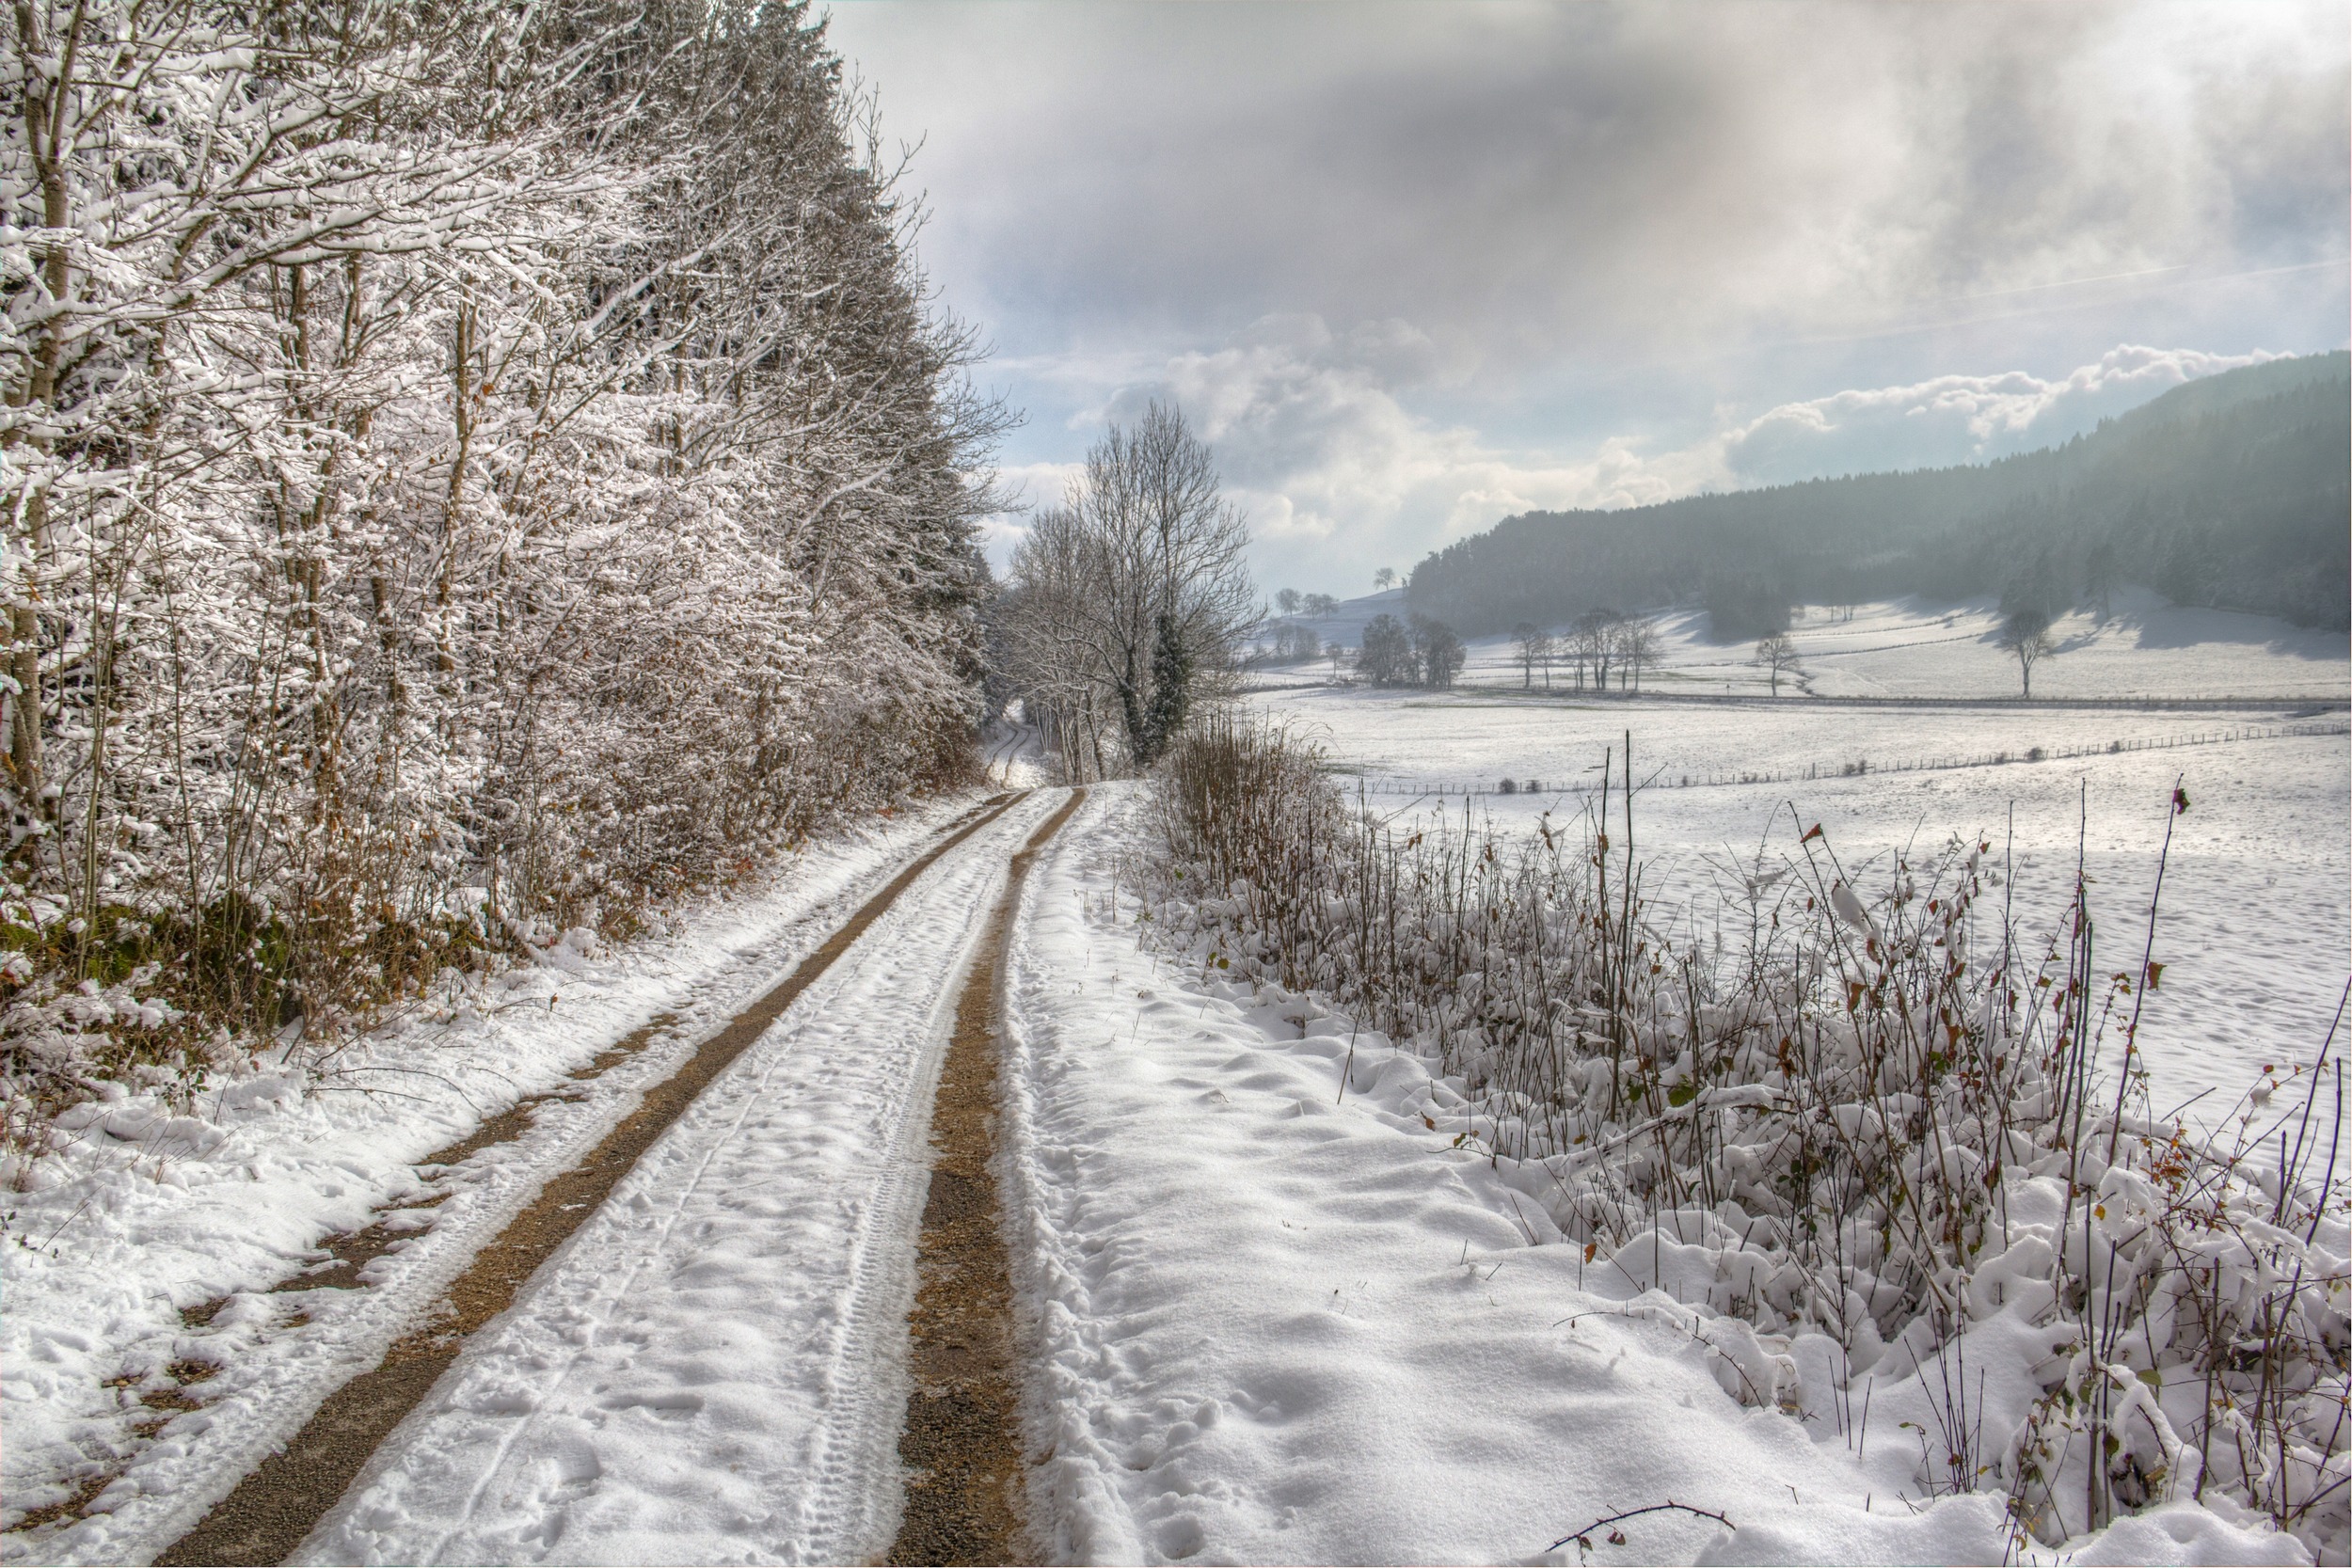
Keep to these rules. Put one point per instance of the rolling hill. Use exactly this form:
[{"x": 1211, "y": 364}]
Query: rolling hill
[{"x": 2229, "y": 491}]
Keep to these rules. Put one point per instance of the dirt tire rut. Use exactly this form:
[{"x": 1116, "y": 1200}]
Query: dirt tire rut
[{"x": 962, "y": 1443}]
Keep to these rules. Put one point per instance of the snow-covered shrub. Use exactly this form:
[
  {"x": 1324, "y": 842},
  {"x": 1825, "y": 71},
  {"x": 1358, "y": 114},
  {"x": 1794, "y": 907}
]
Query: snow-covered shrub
[
  {"x": 1878, "y": 1136},
  {"x": 465, "y": 464}
]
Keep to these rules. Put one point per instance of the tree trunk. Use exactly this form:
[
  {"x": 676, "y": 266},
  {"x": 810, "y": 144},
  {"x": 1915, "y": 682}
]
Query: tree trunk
[{"x": 25, "y": 738}]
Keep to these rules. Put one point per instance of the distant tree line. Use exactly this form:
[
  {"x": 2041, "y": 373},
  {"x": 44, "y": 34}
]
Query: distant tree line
[
  {"x": 2231, "y": 491},
  {"x": 1589, "y": 648},
  {"x": 1290, "y": 601},
  {"x": 1289, "y": 644}
]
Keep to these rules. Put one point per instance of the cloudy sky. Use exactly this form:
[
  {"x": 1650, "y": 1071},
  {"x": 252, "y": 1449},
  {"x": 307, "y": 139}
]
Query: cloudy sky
[{"x": 1411, "y": 270}]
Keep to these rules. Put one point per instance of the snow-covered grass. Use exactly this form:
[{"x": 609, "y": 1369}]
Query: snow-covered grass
[
  {"x": 2257, "y": 917},
  {"x": 152, "y": 1203},
  {"x": 1863, "y": 1136},
  {"x": 1291, "y": 1308}
]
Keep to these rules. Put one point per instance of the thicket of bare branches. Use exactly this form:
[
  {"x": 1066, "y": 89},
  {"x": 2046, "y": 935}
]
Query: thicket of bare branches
[
  {"x": 1602, "y": 641},
  {"x": 1128, "y": 598},
  {"x": 471, "y": 469},
  {"x": 1870, "y": 1144}
]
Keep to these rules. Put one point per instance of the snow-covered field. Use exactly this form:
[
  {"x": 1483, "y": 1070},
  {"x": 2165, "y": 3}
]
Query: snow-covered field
[
  {"x": 1284, "y": 1317},
  {"x": 2146, "y": 647},
  {"x": 2256, "y": 919},
  {"x": 1274, "y": 1323}
]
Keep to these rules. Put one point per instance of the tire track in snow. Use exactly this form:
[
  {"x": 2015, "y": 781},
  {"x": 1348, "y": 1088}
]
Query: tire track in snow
[
  {"x": 280, "y": 1363},
  {"x": 275, "y": 1506},
  {"x": 714, "y": 1368},
  {"x": 962, "y": 1441}
]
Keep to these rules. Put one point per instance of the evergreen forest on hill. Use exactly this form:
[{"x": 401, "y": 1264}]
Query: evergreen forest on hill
[{"x": 2229, "y": 491}]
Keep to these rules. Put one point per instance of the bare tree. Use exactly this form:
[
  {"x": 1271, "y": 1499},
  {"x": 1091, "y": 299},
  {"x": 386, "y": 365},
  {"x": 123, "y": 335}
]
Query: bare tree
[
  {"x": 1385, "y": 579},
  {"x": 1534, "y": 648},
  {"x": 1287, "y": 601},
  {"x": 1777, "y": 652},
  {"x": 2026, "y": 636},
  {"x": 1639, "y": 649},
  {"x": 1042, "y": 613},
  {"x": 1140, "y": 591},
  {"x": 1595, "y": 640},
  {"x": 1575, "y": 647}
]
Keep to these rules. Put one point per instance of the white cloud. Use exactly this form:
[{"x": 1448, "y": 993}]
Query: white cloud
[
  {"x": 1641, "y": 231},
  {"x": 1315, "y": 436},
  {"x": 1596, "y": 183},
  {"x": 1956, "y": 418}
]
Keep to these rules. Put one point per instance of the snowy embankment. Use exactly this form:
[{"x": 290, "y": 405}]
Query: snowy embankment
[
  {"x": 1282, "y": 1319},
  {"x": 148, "y": 1213}
]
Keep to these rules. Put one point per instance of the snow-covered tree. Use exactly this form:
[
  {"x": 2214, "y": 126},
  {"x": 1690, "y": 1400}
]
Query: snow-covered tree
[
  {"x": 1438, "y": 652},
  {"x": 1387, "y": 657},
  {"x": 471, "y": 469},
  {"x": 1130, "y": 596},
  {"x": 1533, "y": 646}
]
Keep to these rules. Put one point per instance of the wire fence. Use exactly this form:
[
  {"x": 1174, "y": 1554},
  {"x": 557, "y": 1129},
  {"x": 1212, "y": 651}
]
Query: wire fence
[{"x": 1670, "y": 776}]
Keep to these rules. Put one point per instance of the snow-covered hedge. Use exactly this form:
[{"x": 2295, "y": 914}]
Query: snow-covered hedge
[
  {"x": 469, "y": 467},
  {"x": 1889, "y": 1161}
]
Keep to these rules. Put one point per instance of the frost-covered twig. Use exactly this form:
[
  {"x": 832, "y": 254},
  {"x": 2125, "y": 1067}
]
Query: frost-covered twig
[{"x": 1616, "y": 1538}]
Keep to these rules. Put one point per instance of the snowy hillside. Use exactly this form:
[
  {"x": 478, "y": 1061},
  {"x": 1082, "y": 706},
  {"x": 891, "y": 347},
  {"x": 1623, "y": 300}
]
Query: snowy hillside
[
  {"x": 1345, "y": 625},
  {"x": 2146, "y": 647}
]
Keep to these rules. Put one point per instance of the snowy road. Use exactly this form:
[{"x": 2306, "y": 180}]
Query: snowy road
[
  {"x": 714, "y": 1367},
  {"x": 161, "y": 1342},
  {"x": 1259, "y": 1320}
]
